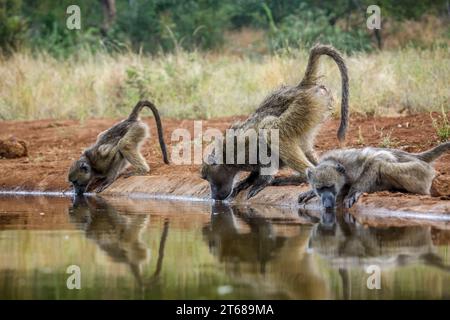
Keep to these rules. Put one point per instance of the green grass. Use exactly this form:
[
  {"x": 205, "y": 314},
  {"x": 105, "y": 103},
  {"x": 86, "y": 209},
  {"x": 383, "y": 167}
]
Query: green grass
[
  {"x": 196, "y": 85},
  {"x": 442, "y": 126}
]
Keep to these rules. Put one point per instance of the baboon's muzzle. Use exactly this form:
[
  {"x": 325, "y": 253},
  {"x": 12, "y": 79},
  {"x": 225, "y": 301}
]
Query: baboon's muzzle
[
  {"x": 218, "y": 194},
  {"x": 78, "y": 189},
  {"x": 328, "y": 200}
]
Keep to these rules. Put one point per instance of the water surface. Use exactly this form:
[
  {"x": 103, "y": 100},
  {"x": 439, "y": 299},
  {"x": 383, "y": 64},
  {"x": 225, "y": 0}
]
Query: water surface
[{"x": 147, "y": 249}]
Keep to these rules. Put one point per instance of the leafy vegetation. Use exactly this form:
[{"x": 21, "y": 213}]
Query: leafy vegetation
[
  {"x": 442, "y": 126},
  {"x": 166, "y": 25},
  {"x": 207, "y": 58}
]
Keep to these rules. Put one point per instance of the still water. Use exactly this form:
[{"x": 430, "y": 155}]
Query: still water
[{"x": 143, "y": 249}]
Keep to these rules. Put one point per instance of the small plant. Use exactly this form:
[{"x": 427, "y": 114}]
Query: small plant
[
  {"x": 386, "y": 140},
  {"x": 360, "y": 136},
  {"x": 441, "y": 126}
]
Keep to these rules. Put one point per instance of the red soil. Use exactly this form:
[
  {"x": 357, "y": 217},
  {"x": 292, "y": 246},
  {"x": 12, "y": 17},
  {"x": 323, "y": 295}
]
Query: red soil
[{"x": 52, "y": 146}]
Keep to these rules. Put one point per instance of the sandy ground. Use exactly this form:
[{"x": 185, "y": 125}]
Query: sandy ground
[{"x": 53, "y": 145}]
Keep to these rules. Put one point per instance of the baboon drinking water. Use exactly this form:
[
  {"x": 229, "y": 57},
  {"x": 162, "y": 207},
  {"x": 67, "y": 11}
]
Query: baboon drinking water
[
  {"x": 114, "y": 150},
  {"x": 352, "y": 172},
  {"x": 296, "y": 111}
]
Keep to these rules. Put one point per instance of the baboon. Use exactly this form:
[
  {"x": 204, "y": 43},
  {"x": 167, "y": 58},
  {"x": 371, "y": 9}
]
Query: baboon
[
  {"x": 114, "y": 150},
  {"x": 352, "y": 172},
  {"x": 296, "y": 111}
]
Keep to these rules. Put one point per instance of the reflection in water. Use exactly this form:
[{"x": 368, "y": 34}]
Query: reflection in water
[
  {"x": 229, "y": 244},
  {"x": 346, "y": 245},
  {"x": 118, "y": 235},
  {"x": 126, "y": 250}
]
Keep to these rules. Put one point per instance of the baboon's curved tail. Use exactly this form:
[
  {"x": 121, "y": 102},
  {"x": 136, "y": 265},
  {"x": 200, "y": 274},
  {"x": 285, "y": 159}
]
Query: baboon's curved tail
[
  {"x": 311, "y": 77},
  {"x": 134, "y": 116},
  {"x": 433, "y": 154}
]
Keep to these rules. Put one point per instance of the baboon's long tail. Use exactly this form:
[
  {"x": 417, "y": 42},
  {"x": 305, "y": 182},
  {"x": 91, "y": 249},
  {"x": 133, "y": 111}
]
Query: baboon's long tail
[
  {"x": 311, "y": 77},
  {"x": 134, "y": 116},
  {"x": 433, "y": 154}
]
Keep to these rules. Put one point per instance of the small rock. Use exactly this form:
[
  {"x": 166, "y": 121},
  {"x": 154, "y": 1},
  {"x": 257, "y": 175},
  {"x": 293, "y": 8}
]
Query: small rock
[
  {"x": 13, "y": 148},
  {"x": 41, "y": 213}
]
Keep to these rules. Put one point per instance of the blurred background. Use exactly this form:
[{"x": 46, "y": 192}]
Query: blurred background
[
  {"x": 210, "y": 58},
  {"x": 156, "y": 26}
]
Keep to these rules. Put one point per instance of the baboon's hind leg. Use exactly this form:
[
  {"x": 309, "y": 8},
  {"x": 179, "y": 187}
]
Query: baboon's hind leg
[
  {"x": 293, "y": 156},
  {"x": 413, "y": 176},
  {"x": 129, "y": 147}
]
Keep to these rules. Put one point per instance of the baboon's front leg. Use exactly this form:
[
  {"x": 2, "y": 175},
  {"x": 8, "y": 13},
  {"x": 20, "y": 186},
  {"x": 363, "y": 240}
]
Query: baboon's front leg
[
  {"x": 116, "y": 168},
  {"x": 260, "y": 183},
  {"x": 351, "y": 198},
  {"x": 244, "y": 184},
  {"x": 367, "y": 182},
  {"x": 306, "y": 196},
  {"x": 105, "y": 184}
]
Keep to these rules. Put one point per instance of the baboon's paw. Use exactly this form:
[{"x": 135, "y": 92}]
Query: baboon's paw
[
  {"x": 304, "y": 197},
  {"x": 253, "y": 192},
  {"x": 351, "y": 199}
]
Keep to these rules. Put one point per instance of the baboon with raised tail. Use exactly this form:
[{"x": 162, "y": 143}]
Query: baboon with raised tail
[
  {"x": 114, "y": 150},
  {"x": 296, "y": 112}
]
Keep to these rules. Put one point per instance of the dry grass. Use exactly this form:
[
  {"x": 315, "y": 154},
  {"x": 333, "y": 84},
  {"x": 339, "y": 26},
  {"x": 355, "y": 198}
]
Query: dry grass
[{"x": 194, "y": 85}]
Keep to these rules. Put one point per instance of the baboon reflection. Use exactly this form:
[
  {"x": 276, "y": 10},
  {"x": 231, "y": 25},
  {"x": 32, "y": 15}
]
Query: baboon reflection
[
  {"x": 347, "y": 242},
  {"x": 346, "y": 245},
  {"x": 296, "y": 263},
  {"x": 229, "y": 243},
  {"x": 118, "y": 235}
]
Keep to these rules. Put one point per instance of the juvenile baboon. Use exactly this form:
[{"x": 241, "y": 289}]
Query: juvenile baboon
[
  {"x": 296, "y": 111},
  {"x": 114, "y": 150},
  {"x": 352, "y": 172}
]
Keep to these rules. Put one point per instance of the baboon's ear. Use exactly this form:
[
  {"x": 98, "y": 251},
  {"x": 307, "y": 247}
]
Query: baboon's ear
[
  {"x": 309, "y": 173},
  {"x": 340, "y": 168}
]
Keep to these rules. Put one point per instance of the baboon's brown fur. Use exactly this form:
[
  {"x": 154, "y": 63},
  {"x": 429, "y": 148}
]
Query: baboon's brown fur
[
  {"x": 114, "y": 150},
  {"x": 296, "y": 111}
]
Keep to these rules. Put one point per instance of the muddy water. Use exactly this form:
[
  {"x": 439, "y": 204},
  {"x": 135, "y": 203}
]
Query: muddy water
[{"x": 136, "y": 249}]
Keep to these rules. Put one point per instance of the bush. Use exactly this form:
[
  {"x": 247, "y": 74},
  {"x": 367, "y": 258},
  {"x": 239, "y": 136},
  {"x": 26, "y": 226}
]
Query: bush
[
  {"x": 12, "y": 26},
  {"x": 308, "y": 26}
]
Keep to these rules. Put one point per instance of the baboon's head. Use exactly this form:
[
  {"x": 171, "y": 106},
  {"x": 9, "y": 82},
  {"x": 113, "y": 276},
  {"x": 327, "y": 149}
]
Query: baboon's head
[
  {"x": 220, "y": 178},
  {"x": 80, "y": 174},
  {"x": 327, "y": 180}
]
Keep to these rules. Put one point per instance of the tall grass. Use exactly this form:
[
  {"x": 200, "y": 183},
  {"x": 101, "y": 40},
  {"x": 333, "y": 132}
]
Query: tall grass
[{"x": 195, "y": 85}]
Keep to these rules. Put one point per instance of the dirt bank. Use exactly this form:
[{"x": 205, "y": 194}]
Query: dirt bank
[{"x": 53, "y": 145}]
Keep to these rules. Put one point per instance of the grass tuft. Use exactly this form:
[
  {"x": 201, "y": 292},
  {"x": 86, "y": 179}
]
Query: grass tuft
[
  {"x": 442, "y": 126},
  {"x": 196, "y": 85}
]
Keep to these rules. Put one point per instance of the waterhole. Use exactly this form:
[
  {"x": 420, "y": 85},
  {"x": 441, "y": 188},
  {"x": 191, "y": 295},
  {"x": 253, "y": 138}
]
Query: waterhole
[{"x": 99, "y": 248}]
